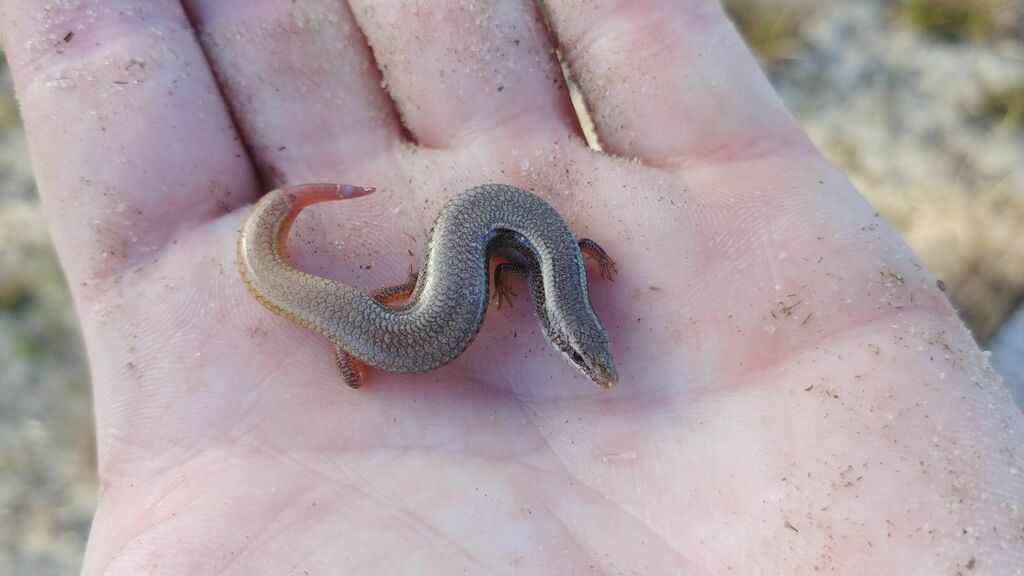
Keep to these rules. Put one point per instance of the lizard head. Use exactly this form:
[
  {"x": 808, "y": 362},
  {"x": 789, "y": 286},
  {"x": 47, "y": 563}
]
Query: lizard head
[{"x": 583, "y": 343}]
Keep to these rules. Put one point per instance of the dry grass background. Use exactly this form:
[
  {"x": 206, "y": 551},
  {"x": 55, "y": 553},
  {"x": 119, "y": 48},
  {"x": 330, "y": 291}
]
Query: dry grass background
[{"x": 920, "y": 101}]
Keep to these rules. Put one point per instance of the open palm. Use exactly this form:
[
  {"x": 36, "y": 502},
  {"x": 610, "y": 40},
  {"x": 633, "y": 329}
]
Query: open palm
[{"x": 795, "y": 392}]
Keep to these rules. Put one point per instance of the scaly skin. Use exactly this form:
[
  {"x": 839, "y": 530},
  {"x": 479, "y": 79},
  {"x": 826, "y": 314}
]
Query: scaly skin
[{"x": 447, "y": 306}]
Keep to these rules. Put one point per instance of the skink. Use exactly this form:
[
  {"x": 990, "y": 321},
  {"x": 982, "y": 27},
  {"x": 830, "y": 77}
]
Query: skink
[{"x": 430, "y": 320}]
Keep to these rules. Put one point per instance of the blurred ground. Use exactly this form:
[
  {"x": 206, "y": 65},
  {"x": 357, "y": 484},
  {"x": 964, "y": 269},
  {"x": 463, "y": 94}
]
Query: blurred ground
[
  {"x": 47, "y": 469},
  {"x": 920, "y": 101}
]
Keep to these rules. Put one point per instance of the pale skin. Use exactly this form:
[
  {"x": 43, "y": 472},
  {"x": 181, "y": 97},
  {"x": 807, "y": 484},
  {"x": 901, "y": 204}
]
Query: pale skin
[{"x": 795, "y": 394}]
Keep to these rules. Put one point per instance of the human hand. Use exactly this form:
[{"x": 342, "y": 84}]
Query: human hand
[{"x": 795, "y": 393}]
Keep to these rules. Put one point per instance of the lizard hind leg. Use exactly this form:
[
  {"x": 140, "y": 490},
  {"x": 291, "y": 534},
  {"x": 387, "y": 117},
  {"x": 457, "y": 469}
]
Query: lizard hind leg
[
  {"x": 352, "y": 370},
  {"x": 391, "y": 295}
]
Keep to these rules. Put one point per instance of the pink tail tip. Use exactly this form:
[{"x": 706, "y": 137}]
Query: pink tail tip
[
  {"x": 305, "y": 194},
  {"x": 346, "y": 191}
]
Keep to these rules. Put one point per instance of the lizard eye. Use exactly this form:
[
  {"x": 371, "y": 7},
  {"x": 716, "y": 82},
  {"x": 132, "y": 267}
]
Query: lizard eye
[{"x": 576, "y": 357}]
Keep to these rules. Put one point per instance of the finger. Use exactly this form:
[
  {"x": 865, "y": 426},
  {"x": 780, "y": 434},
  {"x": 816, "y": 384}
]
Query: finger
[
  {"x": 671, "y": 82},
  {"x": 302, "y": 85},
  {"x": 456, "y": 72},
  {"x": 129, "y": 136}
]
